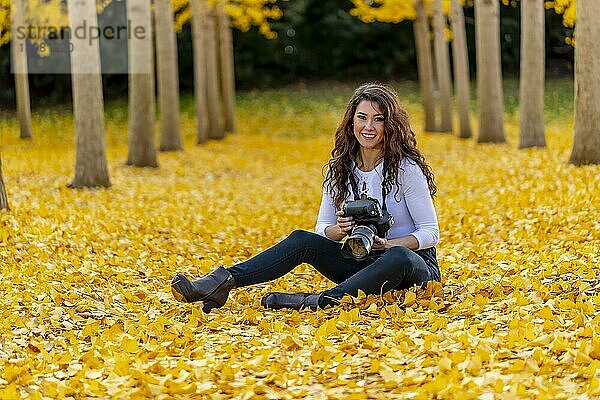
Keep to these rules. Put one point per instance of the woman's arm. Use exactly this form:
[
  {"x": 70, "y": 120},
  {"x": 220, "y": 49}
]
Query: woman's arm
[
  {"x": 326, "y": 221},
  {"x": 407, "y": 241},
  {"x": 330, "y": 222},
  {"x": 420, "y": 206},
  {"x": 334, "y": 232}
]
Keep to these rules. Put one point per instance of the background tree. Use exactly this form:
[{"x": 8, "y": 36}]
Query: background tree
[
  {"x": 424, "y": 64},
  {"x": 244, "y": 15},
  {"x": 19, "y": 64},
  {"x": 396, "y": 12},
  {"x": 227, "y": 68},
  {"x": 200, "y": 81},
  {"x": 327, "y": 42},
  {"x": 3, "y": 198},
  {"x": 442, "y": 64},
  {"x": 168, "y": 76},
  {"x": 489, "y": 74},
  {"x": 461, "y": 69},
  {"x": 91, "y": 167},
  {"x": 142, "y": 152},
  {"x": 531, "y": 80},
  {"x": 586, "y": 142},
  {"x": 216, "y": 129}
]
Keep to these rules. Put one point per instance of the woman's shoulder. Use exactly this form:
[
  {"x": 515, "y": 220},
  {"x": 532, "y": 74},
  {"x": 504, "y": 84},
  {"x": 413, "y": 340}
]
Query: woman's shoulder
[
  {"x": 408, "y": 164},
  {"x": 410, "y": 169}
]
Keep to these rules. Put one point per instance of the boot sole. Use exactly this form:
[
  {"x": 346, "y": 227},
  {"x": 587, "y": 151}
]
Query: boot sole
[
  {"x": 176, "y": 290},
  {"x": 180, "y": 288},
  {"x": 209, "y": 305},
  {"x": 178, "y": 296}
]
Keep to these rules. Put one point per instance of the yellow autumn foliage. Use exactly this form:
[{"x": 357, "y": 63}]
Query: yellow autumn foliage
[
  {"x": 86, "y": 309},
  {"x": 395, "y": 11},
  {"x": 392, "y": 11},
  {"x": 42, "y": 14},
  {"x": 567, "y": 8},
  {"x": 244, "y": 14},
  {"x": 5, "y": 15}
]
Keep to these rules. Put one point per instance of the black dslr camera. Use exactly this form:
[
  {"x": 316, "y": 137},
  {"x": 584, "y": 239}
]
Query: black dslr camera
[{"x": 371, "y": 220}]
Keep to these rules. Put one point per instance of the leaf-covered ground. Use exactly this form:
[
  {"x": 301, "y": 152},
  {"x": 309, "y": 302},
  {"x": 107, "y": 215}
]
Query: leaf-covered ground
[{"x": 86, "y": 309}]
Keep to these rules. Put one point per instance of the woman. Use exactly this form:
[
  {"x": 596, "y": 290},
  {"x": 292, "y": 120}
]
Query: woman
[{"x": 376, "y": 155}]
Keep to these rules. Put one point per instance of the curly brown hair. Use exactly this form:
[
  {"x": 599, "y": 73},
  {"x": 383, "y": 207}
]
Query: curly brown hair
[{"x": 398, "y": 142}]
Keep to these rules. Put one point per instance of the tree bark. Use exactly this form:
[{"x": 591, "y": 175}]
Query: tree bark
[
  {"x": 489, "y": 71},
  {"x": 3, "y": 198},
  {"x": 142, "y": 152},
  {"x": 531, "y": 81},
  {"x": 199, "y": 48},
  {"x": 168, "y": 77},
  {"x": 19, "y": 54},
  {"x": 421, "y": 30},
  {"x": 586, "y": 142},
  {"x": 91, "y": 167},
  {"x": 227, "y": 68},
  {"x": 461, "y": 69},
  {"x": 442, "y": 58},
  {"x": 216, "y": 128}
]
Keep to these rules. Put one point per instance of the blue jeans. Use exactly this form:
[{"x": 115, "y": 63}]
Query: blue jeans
[{"x": 395, "y": 268}]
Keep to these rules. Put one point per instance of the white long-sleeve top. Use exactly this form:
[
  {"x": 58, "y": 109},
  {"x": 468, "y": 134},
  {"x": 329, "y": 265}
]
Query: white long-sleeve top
[{"x": 413, "y": 212}]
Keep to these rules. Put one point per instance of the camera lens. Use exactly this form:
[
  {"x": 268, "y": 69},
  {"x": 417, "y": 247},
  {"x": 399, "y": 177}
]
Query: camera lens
[
  {"x": 357, "y": 248},
  {"x": 359, "y": 243}
]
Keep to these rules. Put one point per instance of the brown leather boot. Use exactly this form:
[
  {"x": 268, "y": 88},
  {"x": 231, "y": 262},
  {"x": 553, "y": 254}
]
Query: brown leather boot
[
  {"x": 297, "y": 301},
  {"x": 212, "y": 290}
]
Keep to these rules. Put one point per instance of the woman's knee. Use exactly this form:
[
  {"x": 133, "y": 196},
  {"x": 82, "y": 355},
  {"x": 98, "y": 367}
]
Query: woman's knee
[
  {"x": 300, "y": 239},
  {"x": 303, "y": 236},
  {"x": 399, "y": 254},
  {"x": 310, "y": 244},
  {"x": 403, "y": 256},
  {"x": 413, "y": 267}
]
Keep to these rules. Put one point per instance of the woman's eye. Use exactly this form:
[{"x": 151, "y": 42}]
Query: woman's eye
[{"x": 362, "y": 117}]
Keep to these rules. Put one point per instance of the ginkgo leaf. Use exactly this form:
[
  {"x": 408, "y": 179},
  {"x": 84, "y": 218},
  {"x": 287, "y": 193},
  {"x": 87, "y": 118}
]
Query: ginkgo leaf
[{"x": 87, "y": 309}]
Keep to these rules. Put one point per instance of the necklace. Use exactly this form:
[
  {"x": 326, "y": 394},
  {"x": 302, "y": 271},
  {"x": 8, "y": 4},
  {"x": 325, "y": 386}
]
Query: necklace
[
  {"x": 361, "y": 165},
  {"x": 364, "y": 191}
]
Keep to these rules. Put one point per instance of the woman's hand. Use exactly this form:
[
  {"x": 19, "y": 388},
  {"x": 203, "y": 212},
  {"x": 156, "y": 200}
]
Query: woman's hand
[
  {"x": 346, "y": 224},
  {"x": 343, "y": 226},
  {"x": 379, "y": 244}
]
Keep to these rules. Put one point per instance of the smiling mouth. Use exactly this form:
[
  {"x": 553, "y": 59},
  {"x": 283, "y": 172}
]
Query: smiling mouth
[{"x": 369, "y": 135}]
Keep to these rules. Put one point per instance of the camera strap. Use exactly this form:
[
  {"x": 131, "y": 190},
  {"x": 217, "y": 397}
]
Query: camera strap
[{"x": 354, "y": 184}]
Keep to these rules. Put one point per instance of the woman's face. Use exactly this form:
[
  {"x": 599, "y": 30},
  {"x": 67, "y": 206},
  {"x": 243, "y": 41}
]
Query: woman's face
[{"x": 369, "y": 125}]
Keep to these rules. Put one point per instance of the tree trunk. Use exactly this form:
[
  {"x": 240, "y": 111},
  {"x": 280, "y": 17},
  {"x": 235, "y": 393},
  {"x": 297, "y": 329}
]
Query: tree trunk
[
  {"x": 168, "y": 78},
  {"x": 489, "y": 71},
  {"x": 142, "y": 152},
  {"x": 3, "y": 198},
  {"x": 461, "y": 69},
  {"x": 198, "y": 17},
  {"x": 421, "y": 30},
  {"x": 442, "y": 58},
  {"x": 531, "y": 81},
  {"x": 586, "y": 142},
  {"x": 216, "y": 129},
  {"x": 19, "y": 63},
  {"x": 91, "y": 167},
  {"x": 227, "y": 68}
]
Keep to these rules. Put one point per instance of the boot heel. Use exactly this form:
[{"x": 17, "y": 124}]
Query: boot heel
[
  {"x": 208, "y": 305},
  {"x": 212, "y": 289},
  {"x": 179, "y": 286},
  {"x": 178, "y": 296}
]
